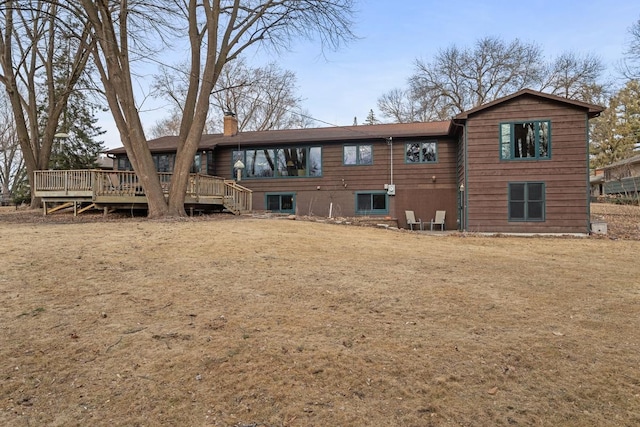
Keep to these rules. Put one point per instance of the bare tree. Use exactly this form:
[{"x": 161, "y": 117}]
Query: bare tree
[
  {"x": 462, "y": 78},
  {"x": 30, "y": 48},
  {"x": 576, "y": 77},
  {"x": 630, "y": 66},
  {"x": 263, "y": 98},
  {"x": 218, "y": 32},
  {"x": 400, "y": 106},
  {"x": 169, "y": 125},
  {"x": 459, "y": 79},
  {"x": 12, "y": 170}
]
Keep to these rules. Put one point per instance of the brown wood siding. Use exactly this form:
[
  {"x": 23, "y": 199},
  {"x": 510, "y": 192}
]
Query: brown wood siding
[
  {"x": 564, "y": 174},
  {"x": 415, "y": 188}
]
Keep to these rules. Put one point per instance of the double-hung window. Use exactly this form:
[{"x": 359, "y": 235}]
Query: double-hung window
[
  {"x": 525, "y": 140},
  {"x": 526, "y": 201},
  {"x": 357, "y": 154}
]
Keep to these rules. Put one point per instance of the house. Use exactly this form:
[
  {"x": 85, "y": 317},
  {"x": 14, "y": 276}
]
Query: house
[
  {"x": 621, "y": 178},
  {"x": 596, "y": 180},
  {"x": 515, "y": 165}
]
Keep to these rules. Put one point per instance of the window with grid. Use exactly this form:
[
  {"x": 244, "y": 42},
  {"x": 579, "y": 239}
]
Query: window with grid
[{"x": 526, "y": 201}]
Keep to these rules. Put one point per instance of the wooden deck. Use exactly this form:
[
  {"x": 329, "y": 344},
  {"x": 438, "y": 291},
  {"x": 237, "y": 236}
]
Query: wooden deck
[{"x": 99, "y": 189}]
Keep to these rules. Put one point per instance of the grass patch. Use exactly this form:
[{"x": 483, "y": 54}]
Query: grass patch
[{"x": 283, "y": 323}]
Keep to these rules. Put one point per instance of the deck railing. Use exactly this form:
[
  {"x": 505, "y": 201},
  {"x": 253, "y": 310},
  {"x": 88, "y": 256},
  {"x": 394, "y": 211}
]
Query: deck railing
[
  {"x": 64, "y": 181},
  {"x": 205, "y": 185},
  {"x": 237, "y": 197},
  {"x": 117, "y": 183},
  {"x": 101, "y": 183}
]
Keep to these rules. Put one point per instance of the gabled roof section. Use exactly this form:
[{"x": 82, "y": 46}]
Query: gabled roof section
[
  {"x": 628, "y": 161},
  {"x": 592, "y": 109},
  {"x": 307, "y": 136}
]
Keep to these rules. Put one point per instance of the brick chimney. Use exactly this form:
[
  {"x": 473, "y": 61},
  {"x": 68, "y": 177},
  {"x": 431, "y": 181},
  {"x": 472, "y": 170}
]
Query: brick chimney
[{"x": 230, "y": 124}]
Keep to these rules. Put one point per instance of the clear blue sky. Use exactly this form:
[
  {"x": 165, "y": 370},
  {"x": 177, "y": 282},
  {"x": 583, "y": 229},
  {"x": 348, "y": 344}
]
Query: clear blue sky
[{"x": 338, "y": 86}]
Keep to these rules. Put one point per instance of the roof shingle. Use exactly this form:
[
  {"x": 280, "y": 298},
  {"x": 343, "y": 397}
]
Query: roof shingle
[{"x": 307, "y": 135}]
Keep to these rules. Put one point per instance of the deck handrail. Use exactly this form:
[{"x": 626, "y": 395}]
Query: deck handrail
[
  {"x": 114, "y": 183},
  {"x": 64, "y": 180},
  {"x": 117, "y": 183},
  {"x": 238, "y": 196}
]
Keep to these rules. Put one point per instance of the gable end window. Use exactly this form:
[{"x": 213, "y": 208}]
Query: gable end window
[
  {"x": 525, "y": 140},
  {"x": 526, "y": 201},
  {"x": 421, "y": 152},
  {"x": 357, "y": 154}
]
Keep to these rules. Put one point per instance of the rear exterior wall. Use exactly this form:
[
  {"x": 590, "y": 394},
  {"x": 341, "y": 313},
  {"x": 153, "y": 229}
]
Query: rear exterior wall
[
  {"x": 421, "y": 187},
  {"x": 565, "y": 174}
]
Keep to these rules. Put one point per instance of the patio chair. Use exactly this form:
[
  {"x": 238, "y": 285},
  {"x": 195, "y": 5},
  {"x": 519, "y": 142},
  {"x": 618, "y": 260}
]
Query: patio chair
[
  {"x": 411, "y": 220},
  {"x": 439, "y": 220},
  {"x": 113, "y": 182}
]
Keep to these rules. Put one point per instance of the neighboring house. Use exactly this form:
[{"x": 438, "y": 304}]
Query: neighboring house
[
  {"x": 518, "y": 164},
  {"x": 596, "y": 180},
  {"x": 104, "y": 162},
  {"x": 621, "y": 178}
]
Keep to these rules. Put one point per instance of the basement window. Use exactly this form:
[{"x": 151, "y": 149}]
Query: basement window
[
  {"x": 372, "y": 203},
  {"x": 280, "y": 202}
]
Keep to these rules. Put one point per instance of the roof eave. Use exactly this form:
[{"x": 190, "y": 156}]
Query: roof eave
[{"x": 592, "y": 109}]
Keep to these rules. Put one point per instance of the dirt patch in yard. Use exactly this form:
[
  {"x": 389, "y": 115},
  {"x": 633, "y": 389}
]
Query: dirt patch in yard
[{"x": 228, "y": 321}]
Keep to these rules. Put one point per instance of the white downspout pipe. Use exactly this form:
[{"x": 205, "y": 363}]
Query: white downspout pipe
[{"x": 390, "y": 143}]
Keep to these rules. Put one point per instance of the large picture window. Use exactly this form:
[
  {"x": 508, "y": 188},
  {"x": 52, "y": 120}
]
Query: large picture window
[
  {"x": 357, "y": 154},
  {"x": 526, "y": 201},
  {"x": 280, "y": 162},
  {"x": 371, "y": 203},
  {"x": 421, "y": 152},
  {"x": 260, "y": 163},
  {"x": 525, "y": 140}
]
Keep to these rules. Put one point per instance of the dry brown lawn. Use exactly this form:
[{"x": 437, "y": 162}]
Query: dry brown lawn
[{"x": 225, "y": 321}]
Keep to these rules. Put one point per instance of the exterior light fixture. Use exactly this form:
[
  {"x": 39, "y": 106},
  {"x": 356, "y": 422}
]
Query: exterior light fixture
[{"x": 238, "y": 166}]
